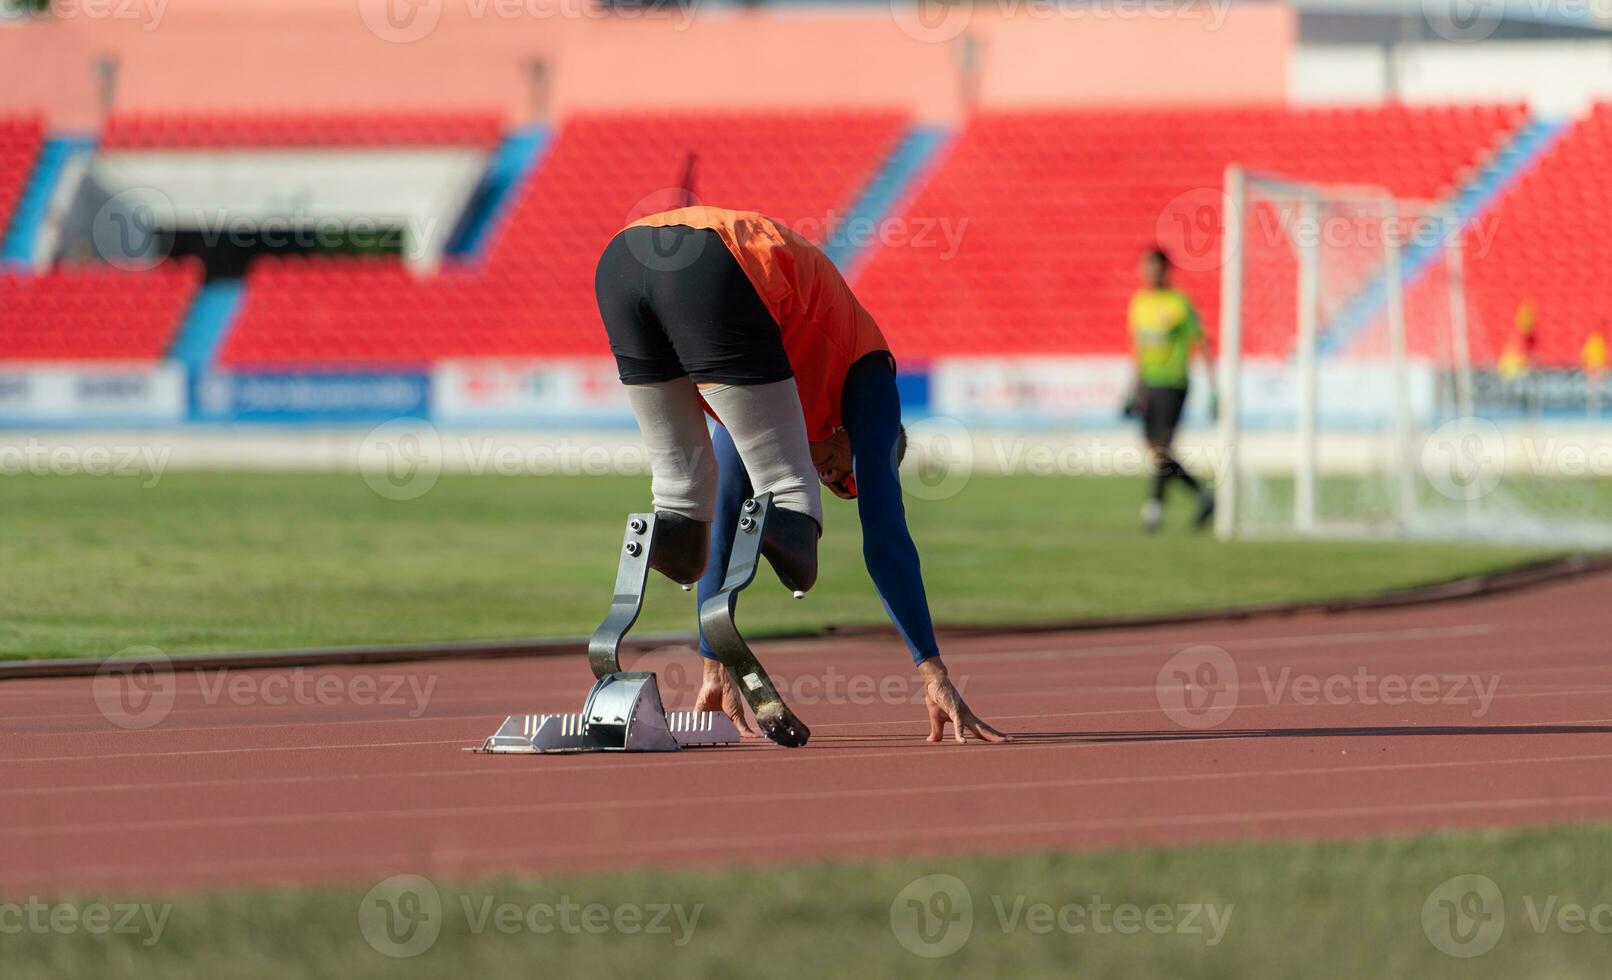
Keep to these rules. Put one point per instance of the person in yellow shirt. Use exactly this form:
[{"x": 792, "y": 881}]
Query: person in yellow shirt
[
  {"x": 1594, "y": 356},
  {"x": 1165, "y": 331},
  {"x": 1516, "y": 362}
]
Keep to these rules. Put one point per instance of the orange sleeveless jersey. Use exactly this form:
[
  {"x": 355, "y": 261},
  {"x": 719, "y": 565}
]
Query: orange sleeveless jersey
[{"x": 825, "y": 329}]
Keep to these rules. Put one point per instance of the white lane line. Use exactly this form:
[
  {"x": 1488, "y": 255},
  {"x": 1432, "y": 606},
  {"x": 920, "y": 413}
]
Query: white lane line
[
  {"x": 411, "y": 857},
  {"x": 392, "y": 777},
  {"x": 1135, "y": 649},
  {"x": 208, "y": 822},
  {"x": 1235, "y": 643},
  {"x": 916, "y": 724},
  {"x": 105, "y": 728},
  {"x": 1071, "y": 669},
  {"x": 1155, "y": 710},
  {"x": 102, "y": 730},
  {"x": 181, "y": 753},
  {"x": 974, "y": 831},
  {"x": 761, "y": 751}
]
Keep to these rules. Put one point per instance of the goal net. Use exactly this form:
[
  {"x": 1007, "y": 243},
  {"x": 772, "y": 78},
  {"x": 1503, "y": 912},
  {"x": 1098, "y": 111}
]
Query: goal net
[{"x": 1346, "y": 378}]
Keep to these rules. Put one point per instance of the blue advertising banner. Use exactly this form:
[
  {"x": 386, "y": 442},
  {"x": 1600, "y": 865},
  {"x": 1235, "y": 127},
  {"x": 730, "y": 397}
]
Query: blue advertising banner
[{"x": 309, "y": 396}]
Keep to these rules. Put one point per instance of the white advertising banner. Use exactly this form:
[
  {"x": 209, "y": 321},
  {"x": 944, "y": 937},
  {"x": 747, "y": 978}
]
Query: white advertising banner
[
  {"x": 1026, "y": 390},
  {"x": 1090, "y": 391},
  {"x": 564, "y": 391},
  {"x": 109, "y": 393},
  {"x": 1064, "y": 386},
  {"x": 1351, "y": 394}
]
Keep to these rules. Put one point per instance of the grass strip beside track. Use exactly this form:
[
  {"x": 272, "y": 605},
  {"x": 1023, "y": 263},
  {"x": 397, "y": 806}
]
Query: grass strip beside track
[
  {"x": 1340, "y": 909},
  {"x": 230, "y": 561}
]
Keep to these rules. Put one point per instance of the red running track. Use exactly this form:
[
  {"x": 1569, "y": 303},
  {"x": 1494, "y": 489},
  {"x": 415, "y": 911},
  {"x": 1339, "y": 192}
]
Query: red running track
[{"x": 354, "y": 774}]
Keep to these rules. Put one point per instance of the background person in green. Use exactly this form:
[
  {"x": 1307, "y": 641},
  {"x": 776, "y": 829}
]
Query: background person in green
[{"x": 1164, "y": 332}]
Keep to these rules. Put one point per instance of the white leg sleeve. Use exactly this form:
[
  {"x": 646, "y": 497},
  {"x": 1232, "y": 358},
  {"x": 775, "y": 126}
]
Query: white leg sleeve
[
  {"x": 770, "y": 434},
  {"x": 682, "y": 462}
]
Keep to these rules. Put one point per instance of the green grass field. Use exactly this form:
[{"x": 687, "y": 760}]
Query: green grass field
[
  {"x": 1346, "y": 910},
  {"x": 216, "y": 561},
  {"x": 205, "y": 561}
]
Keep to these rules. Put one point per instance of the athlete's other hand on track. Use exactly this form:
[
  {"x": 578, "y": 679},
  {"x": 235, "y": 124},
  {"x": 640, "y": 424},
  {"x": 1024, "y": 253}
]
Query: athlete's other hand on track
[
  {"x": 947, "y": 706},
  {"x": 719, "y": 693}
]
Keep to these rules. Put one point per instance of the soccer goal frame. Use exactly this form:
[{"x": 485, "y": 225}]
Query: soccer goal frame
[{"x": 1402, "y": 464}]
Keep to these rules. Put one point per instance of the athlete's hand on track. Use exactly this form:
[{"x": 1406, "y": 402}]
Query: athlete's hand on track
[
  {"x": 946, "y": 705},
  {"x": 719, "y": 693}
]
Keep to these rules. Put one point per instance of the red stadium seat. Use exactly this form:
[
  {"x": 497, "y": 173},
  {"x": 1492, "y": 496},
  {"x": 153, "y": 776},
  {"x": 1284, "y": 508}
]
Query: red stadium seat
[
  {"x": 94, "y": 313},
  {"x": 1549, "y": 247},
  {"x": 20, "y": 139},
  {"x": 534, "y": 294},
  {"x": 1058, "y": 206},
  {"x": 1052, "y": 208}
]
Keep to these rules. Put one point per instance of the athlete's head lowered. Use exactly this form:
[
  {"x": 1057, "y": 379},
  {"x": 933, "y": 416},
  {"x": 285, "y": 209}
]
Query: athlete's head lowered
[{"x": 836, "y": 464}]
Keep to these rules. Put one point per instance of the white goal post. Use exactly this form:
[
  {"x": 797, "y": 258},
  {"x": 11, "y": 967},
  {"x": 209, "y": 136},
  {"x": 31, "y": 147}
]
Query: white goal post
[
  {"x": 1343, "y": 338},
  {"x": 1360, "y": 399}
]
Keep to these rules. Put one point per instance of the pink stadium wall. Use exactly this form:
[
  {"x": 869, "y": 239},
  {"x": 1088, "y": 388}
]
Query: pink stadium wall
[{"x": 313, "y": 54}]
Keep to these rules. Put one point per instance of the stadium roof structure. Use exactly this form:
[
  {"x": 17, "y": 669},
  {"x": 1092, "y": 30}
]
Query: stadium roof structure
[
  {"x": 1454, "y": 21},
  {"x": 1377, "y": 21}
]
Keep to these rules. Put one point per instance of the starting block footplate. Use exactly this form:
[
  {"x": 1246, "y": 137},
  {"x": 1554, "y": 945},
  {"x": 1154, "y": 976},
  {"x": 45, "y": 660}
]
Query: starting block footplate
[{"x": 623, "y": 713}]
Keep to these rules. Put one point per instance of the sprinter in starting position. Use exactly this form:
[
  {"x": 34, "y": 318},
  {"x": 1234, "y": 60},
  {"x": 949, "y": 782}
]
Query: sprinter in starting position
[{"x": 733, "y": 314}]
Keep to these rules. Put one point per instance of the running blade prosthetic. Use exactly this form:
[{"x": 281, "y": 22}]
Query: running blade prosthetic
[{"x": 722, "y": 633}]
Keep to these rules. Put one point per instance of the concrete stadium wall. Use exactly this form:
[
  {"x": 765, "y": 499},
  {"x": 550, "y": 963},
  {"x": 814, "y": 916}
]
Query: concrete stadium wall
[{"x": 434, "y": 54}]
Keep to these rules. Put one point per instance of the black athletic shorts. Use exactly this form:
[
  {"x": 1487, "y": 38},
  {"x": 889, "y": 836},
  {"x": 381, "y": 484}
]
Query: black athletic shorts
[
  {"x": 676, "y": 302},
  {"x": 1163, "y": 414}
]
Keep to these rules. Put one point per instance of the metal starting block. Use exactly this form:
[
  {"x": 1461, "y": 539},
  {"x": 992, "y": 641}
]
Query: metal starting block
[{"x": 623, "y": 713}]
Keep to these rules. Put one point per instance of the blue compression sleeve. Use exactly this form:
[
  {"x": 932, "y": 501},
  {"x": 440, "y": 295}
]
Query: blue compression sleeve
[
  {"x": 732, "y": 490},
  {"x": 873, "y": 419}
]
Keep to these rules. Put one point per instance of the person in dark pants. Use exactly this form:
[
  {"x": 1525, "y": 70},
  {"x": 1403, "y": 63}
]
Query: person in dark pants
[
  {"x": 732, "y": 314},
  {"x": 1165, "y": 331}
]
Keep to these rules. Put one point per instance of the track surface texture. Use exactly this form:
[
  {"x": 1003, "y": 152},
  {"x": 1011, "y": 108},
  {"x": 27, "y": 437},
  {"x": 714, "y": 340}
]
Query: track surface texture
[{"x": 1487, "y": 712}]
